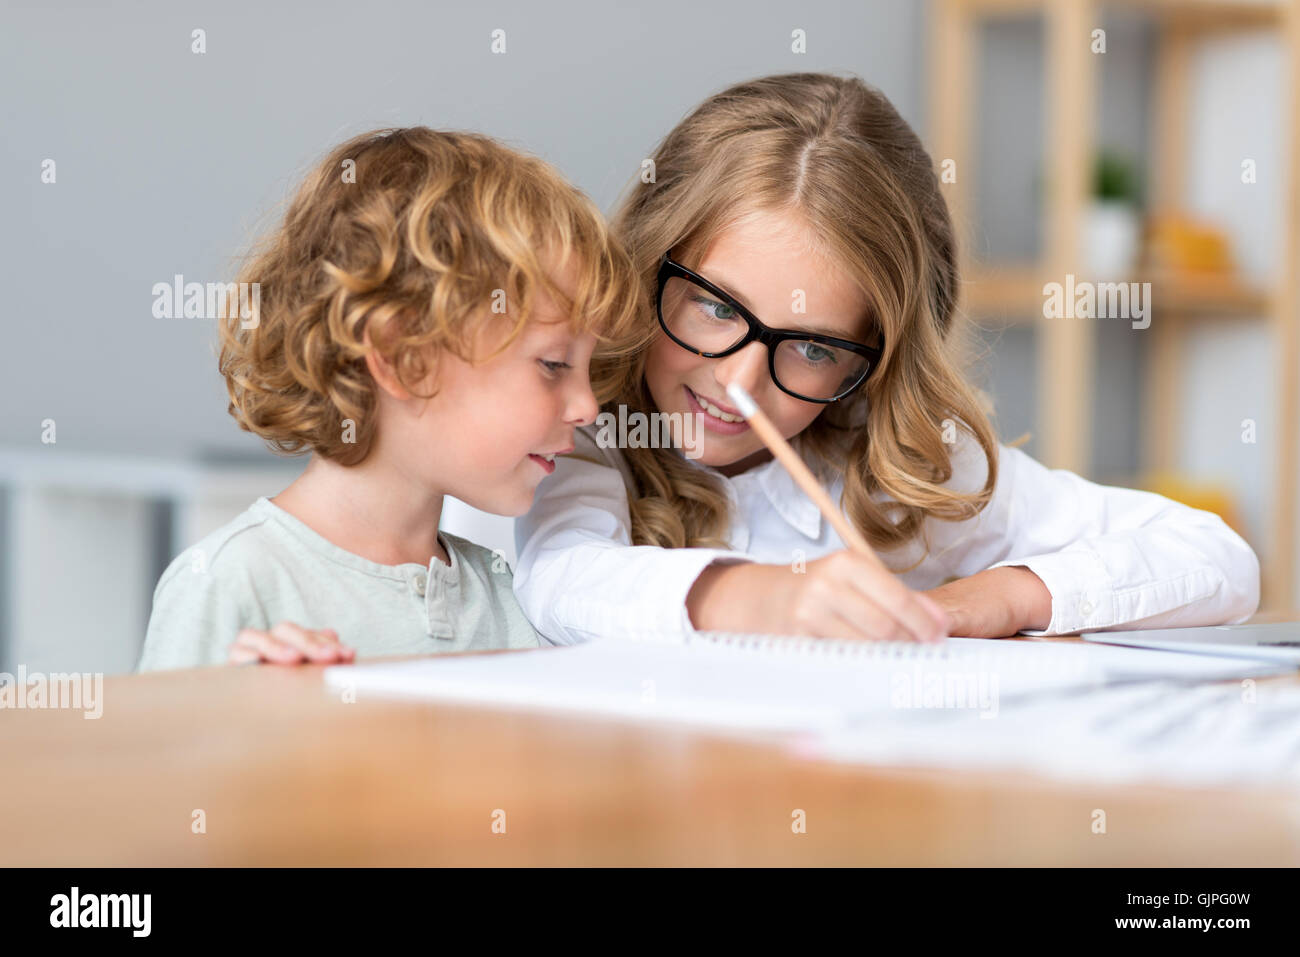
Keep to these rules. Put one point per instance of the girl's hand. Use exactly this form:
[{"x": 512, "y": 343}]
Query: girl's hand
[
  {"x": 995, "y": 603},
  {"x": 844, "y": 595},
  {"x": 289, "y": 644}
]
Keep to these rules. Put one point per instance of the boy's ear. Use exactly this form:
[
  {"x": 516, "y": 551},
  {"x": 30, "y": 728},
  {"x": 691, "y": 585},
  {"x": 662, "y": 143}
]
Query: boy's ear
[{"x": 383, "y": 371}]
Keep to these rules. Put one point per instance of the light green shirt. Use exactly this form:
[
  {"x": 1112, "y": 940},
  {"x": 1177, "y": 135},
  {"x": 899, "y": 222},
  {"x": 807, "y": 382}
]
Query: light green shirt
[{"x": 266, "y": 567}]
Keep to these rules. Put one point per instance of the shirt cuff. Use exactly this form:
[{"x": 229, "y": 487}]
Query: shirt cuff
[{"x": 1083, "y": 595}]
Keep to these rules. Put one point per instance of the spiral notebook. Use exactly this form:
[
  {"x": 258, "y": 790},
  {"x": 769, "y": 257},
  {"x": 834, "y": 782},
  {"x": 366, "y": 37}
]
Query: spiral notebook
[{"x": 764, "y": 683}]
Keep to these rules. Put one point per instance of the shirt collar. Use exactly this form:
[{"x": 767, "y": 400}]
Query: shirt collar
[
  {"x": 789, "y": 500},
  {"x": 782, "y": 492}
]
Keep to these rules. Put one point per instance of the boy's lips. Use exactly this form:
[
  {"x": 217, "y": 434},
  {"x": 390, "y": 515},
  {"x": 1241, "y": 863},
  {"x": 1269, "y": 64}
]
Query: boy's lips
[
  {"x": 548, "y": 465},
  {"x": 547, "y": 459}
]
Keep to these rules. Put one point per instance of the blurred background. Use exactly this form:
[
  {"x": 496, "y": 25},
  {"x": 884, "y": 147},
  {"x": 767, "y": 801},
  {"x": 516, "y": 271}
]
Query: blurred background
[{"x": 1142, "y": 141}]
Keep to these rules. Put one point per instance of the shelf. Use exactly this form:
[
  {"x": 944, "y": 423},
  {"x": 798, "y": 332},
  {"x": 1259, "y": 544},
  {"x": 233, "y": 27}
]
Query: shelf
[
  {"x": 1014, "y": 295},
  {"x": 1190, "y": 15},
  {"x": 1207, "y": 14}
]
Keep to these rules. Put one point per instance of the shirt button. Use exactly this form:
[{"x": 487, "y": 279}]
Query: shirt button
[
  {"x": 419, "y": 582},
  {"x": 1086, "y": 607}
]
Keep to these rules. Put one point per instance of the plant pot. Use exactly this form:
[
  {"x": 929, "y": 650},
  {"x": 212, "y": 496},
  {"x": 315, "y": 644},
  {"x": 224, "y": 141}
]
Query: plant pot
[{"x": 1112, "y": 233}]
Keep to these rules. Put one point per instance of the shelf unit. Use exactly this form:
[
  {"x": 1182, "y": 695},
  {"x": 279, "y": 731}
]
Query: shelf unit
[{"x": 1014, "y": 293}]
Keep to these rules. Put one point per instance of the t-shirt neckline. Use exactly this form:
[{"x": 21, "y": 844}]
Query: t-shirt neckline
[{"x": 322, "y": 545}]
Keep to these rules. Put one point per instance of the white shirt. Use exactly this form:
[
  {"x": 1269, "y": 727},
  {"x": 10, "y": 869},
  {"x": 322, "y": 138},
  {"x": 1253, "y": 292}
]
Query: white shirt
[{"x": 1110, "y": 557}]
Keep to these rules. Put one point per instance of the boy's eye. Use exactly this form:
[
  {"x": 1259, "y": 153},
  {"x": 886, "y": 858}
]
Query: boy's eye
[{"x": 554, "y": 368}]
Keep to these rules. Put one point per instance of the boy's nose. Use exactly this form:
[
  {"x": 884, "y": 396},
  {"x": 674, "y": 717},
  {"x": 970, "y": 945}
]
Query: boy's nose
[{"x": 582, "y": 408}]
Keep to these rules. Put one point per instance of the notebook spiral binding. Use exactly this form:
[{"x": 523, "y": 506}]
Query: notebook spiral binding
[
  {"x": 1035, "y": 658},
  {"x": 824, "y": 647}
]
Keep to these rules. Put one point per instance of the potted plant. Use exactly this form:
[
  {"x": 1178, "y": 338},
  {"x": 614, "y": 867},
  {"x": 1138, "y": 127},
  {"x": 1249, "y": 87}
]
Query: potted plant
[{"x": 1112, "y": 226}]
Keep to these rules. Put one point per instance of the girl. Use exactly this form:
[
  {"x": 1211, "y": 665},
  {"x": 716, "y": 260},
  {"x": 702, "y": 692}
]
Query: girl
[
  {"x": 795, "y": 240},
  {"x": 427, "y": 313}
]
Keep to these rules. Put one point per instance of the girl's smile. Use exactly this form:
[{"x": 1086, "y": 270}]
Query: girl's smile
[{"x": 716, "y": 416}]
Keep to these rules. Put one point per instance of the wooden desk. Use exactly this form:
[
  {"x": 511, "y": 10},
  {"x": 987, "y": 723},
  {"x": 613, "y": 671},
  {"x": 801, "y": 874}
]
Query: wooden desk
[{"x": 290, "y": 775}]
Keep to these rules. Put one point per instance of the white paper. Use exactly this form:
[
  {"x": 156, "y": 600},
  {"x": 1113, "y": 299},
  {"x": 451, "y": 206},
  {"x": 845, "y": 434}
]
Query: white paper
[
  {"x": 1196, "y": 734},
  {"x": 760, "y": 684}
]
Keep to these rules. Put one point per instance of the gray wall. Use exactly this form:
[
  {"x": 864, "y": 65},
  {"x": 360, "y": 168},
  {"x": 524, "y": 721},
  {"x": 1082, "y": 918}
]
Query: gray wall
[{"x": 166, "y": 159}]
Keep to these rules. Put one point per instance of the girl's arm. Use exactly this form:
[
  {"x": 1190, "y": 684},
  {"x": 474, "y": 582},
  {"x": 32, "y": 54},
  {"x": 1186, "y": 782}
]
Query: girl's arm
[
  {"x": 1109, "y": 557},
  {"x": 578, "y": 576}
]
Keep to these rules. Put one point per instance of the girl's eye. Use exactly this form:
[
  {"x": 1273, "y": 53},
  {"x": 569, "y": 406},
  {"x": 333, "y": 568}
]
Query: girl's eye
[
  {"x": 714, "y": 309},
  {"x": 554, "y": 368},
  {"x": 815, "y": 353}
]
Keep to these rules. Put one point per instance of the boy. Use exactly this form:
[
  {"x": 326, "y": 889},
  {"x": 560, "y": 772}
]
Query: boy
[{"x": 427, "y": 312}]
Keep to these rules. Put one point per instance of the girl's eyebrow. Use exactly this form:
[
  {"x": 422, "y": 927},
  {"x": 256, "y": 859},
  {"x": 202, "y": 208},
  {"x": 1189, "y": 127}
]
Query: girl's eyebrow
[
  {"x": 825, "y": 331},
  {"x": 725, "y": 285},
  {"x": 722, "y": 283}
]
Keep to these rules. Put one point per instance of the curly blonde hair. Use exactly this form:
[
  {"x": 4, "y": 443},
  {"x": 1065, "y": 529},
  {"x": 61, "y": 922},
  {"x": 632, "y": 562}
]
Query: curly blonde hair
[
  {"x": 404, "y": 241},
  {"x": 835, "y": 153}
]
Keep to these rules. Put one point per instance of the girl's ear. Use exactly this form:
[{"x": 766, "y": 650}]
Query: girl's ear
[{"x": 383, "y": 371}]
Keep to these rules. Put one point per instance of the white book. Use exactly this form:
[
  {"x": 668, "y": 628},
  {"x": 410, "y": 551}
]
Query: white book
[{"x": 769, "y": 684}]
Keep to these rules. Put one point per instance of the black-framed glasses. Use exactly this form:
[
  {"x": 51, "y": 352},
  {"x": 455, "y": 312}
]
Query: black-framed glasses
[{"x": 706, "y": 320}]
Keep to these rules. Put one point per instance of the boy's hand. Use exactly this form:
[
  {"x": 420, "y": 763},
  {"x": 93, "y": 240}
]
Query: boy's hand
[
  {"x": 289, "y": 644},
  {"x": 995, "y": 603}
]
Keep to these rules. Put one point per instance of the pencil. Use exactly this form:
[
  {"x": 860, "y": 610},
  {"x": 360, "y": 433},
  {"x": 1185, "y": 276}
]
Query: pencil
[{"x": 800, "y": 472}]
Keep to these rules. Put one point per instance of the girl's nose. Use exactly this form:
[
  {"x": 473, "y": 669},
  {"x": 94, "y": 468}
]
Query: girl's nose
[{"x": 748, "y": 367}]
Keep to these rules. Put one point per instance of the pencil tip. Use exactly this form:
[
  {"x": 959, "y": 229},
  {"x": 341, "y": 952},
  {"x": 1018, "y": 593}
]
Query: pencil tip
[{"x": 745, "y": 405}]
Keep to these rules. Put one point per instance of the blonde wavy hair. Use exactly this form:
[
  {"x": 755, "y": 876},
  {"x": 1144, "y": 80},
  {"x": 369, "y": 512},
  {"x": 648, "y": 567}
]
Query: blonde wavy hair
[
  {"x": 834, "y": 152},
  {"x": 402, "y": 240}
]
